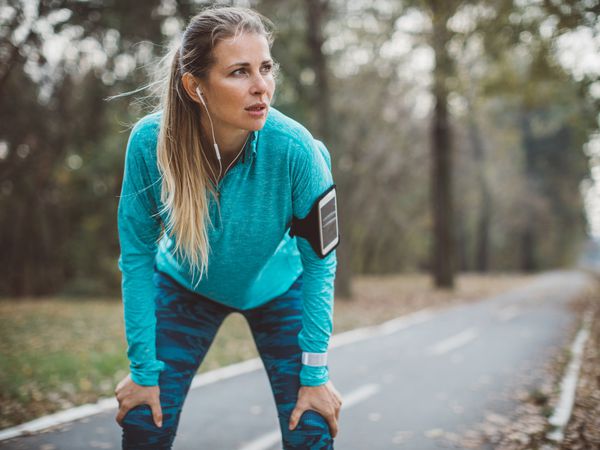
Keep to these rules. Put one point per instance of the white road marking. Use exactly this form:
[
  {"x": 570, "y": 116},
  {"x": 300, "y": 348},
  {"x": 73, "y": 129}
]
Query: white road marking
[
  {"x": 268, "y": 440},
  {"x": 453, "y": 342},
  {"x": 226, "y": 372},
  {"x": 110, "y": 403},
  {"x": 59, "y": 418},
  {"x": 389, "y": 327},
  {"x": 106, "y": 404},
  {"x": 358, "y": 395},
  {"x": 568, "y": 385}
]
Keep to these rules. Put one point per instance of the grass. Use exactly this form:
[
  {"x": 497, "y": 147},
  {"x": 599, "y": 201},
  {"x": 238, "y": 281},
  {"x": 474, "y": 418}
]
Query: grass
[{"x": 57, "y": 353}]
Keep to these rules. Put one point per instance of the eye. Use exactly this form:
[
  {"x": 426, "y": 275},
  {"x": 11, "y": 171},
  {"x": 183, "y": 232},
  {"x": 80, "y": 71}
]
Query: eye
[
  {"x": 239, "y": 71},
  {"x": 267, "y": 68}
]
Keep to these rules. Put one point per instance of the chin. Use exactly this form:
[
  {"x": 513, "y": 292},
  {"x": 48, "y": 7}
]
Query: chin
[{"x": 256, "y": 125}]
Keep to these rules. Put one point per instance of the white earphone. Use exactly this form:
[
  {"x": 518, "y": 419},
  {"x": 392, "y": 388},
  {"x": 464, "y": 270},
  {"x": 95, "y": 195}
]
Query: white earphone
[
  {"x": 201, "y": 97},
  {"x": 212, "y": 128}
]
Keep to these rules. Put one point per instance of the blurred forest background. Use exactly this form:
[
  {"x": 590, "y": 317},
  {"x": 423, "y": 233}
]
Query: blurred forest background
[{"x": 464, "y": 133}]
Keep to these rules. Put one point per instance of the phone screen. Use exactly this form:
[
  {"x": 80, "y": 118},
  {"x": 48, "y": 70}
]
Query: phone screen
[{"x": 329, "y": 229}]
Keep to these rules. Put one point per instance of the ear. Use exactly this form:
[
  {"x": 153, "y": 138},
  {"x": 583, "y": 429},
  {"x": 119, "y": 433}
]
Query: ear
[{"x": 190, "y": 83}]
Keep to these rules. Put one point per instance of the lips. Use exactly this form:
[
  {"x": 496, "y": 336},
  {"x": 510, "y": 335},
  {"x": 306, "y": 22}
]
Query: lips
[{"x": 256, "y": 107}]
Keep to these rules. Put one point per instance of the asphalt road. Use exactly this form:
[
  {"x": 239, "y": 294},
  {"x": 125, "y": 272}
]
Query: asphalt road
[{"x": 405, "y": 384}]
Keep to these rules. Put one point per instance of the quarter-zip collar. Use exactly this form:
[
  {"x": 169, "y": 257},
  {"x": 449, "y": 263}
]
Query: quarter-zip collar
[{"x": 250, "y": 150}]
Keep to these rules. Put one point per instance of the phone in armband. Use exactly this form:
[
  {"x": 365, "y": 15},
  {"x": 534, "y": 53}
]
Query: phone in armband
[{"x": 320, "y": 227}]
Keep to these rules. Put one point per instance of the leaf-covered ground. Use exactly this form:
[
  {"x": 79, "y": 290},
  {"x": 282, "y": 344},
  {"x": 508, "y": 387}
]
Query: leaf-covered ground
[
  {"x": 528, "y": 427},
  {"x": 583, "y": 431},
  {"x": 58, "y": 353}
]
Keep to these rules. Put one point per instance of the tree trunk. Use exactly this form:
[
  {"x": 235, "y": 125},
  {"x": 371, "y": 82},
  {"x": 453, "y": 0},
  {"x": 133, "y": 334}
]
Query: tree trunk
[
  {"x": 528, "y": 261},
  {"x": 441, "y": 153},
  {"x": 483, "y": 221},
  {"x": 316, "y": 13}
]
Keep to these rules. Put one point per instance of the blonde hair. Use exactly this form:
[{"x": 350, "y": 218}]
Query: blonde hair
[{"x": 182, "y": 160}]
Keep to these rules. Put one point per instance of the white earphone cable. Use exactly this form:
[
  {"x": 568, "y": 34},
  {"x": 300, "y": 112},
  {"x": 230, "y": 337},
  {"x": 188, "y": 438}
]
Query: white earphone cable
[{"x": 216, "y": 147}]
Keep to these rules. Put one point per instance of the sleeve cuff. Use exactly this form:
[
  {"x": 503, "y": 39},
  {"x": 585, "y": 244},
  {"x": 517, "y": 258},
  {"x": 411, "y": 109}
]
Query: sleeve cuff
[
  {"x": 313, "y": 376},
  {"x": 148, "y": 373}
]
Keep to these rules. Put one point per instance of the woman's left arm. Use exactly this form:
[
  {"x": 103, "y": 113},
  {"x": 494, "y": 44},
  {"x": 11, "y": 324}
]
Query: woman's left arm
[{"x": 311, "y": 177}]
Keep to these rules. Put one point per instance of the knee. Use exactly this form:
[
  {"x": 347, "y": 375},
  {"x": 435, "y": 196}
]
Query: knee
[
  {"x": 140, "y": 431},
  {"x": 312, "y": 433}
]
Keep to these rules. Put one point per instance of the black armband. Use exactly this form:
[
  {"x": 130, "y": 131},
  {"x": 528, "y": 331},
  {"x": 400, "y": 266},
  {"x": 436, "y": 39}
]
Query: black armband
[{"x": 320, "y": 226}]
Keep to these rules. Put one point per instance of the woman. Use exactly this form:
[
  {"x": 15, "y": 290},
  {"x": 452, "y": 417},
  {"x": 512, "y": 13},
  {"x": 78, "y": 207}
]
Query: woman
[{"x": 212, "y": 181}]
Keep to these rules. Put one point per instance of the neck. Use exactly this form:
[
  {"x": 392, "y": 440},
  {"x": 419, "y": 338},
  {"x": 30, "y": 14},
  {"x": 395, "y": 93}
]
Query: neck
[{"x": 230, "y": 142}]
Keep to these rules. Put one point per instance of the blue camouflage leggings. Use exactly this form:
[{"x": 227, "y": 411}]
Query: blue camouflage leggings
[{"x": 186, "y": 326}]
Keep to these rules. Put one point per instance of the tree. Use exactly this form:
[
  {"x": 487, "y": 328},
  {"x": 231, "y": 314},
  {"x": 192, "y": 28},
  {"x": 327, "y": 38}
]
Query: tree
[
  {"x": 52, "y": 131},
  {"x": 441, "y": 148}
]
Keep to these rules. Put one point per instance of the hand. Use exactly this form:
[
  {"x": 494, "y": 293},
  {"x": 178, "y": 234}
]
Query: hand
[
  {"x": 324, "y": 399},
  {"x": 130, "y": 394}
]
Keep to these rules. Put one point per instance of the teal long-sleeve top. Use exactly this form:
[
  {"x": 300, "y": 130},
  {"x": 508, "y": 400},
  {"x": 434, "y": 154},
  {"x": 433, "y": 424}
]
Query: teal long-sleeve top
[{"x": 252, "y": 259}]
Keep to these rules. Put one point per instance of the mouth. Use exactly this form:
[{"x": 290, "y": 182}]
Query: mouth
[{"x": 257, "y": 107}]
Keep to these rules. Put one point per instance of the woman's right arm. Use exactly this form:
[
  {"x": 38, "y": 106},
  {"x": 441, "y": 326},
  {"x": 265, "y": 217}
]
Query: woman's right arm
[{"x": 139, "y": 228}]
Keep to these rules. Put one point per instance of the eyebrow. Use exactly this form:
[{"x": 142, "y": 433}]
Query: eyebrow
[{"x": 246, "y": 64}]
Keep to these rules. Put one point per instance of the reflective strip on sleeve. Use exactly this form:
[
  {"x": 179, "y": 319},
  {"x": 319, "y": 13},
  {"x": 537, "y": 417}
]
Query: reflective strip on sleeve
[{"x": 314, "y": 359}]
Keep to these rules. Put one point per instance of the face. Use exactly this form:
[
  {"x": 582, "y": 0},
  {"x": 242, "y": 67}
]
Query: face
[{"x": 240, "y": 84}]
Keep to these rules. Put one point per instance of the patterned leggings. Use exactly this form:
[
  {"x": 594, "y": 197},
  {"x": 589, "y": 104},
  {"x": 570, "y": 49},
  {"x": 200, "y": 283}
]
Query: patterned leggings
[{"x": 186, "y": 326}]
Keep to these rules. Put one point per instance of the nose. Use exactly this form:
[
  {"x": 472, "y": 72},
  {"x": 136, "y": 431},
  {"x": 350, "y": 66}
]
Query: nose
[{"x": 259, "y": 86}]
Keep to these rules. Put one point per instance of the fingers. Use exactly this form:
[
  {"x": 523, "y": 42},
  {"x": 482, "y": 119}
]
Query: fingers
[
  {"x": 333, "y": 425},
  {"x": 123, "y": 410},
  {"x": 156, "y": 412},
  {"x": 324, "y": 399},
  {"x": 331, "y": 418},
  {"x": 295, "y": 417},
  {"x": 336, "y": 399},
  {"x": 332, "y": 422},
  {"x": 129, "y": 395},
  {"x": 338, "y": 406}
]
